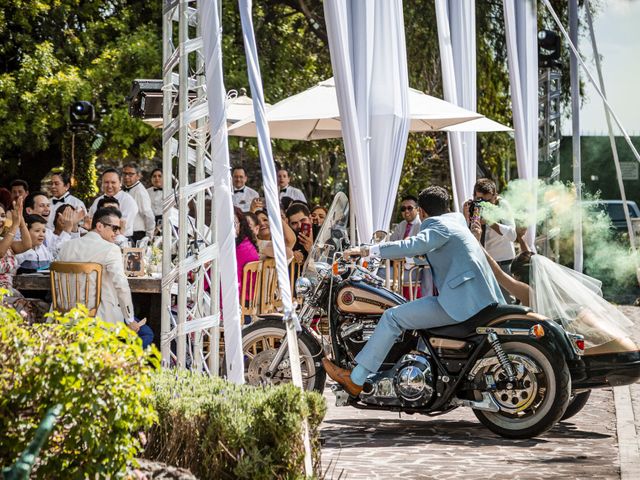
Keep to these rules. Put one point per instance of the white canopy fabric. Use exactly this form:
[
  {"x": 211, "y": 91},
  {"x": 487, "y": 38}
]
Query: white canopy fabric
[
  {"x": 520, "y": 19},
  {"x": 314, "y": 115},
  {"x": 483, "y": 124},
  {"x": 456, "y": 33},
  {"x": 222, "y": 190}
]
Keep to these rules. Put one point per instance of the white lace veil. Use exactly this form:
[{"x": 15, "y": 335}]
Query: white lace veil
[{"x": 575, "y": 300}]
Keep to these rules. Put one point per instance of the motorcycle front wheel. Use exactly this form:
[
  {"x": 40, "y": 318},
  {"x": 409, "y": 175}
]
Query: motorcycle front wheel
[
  {"x": 540, "y": 399},
  {"x": 260, "y": 342}
]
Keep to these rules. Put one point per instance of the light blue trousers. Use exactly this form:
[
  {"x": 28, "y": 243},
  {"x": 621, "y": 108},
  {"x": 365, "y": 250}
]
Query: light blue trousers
[{"x": 424, "y": 312}]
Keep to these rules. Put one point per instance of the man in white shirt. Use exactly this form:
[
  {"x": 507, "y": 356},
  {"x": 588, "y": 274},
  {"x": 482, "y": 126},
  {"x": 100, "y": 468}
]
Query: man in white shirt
[
  {"x": 287, "y": 190},
  {"x": 497, "y": 238},
  {"x": 155, "y": 193},
  {"x": 144, "y": 222},
  {"x": 242, "y": 194},
  {"x": 97, "y": 246},
  {"x": 111, "y": 187},
  {"x": 60, "y": 185}
]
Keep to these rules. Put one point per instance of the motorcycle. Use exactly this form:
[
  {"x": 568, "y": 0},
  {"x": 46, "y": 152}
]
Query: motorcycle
[{"x": 511, "y": 366}]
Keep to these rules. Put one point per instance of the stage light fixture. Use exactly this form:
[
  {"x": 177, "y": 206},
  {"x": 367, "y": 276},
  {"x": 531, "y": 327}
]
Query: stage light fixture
[
  {"x": 548, "y": 49},
  {"x": 146, "y": 99},
  {"x": 82, "y": 116}
]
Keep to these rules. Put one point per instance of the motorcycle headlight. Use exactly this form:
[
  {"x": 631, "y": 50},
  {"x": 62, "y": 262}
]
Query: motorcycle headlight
[{"x": 303, "y": 287}]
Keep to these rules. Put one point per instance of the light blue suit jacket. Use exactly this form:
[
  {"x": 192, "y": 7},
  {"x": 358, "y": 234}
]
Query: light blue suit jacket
[{"x": 460, "y": 269}]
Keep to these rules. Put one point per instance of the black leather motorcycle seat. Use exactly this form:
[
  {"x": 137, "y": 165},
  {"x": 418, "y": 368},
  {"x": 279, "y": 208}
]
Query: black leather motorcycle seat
[{"x": 480, "y": 319}]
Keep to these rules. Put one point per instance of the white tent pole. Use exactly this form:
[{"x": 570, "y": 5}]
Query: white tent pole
[
  {"x": 612, "y": 140},
  {"x": 575, "y": 122},
  {"x": 592, "y": 79}
]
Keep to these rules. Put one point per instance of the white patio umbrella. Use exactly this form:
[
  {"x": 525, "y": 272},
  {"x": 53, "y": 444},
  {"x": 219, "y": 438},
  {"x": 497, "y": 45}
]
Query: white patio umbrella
[
  {"x": 483, "y": 124},
  {"x": 313, "y": 115}
]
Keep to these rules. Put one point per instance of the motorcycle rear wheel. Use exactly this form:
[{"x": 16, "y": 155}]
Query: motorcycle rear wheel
[
  {"x": 260, "y": 342},
  {"x": 552, "y": 389}
]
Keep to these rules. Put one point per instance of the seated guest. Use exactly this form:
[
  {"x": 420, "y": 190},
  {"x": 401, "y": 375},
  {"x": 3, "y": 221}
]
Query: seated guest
[
  {"x": 5, "y": 198},
  {"x": 246, "y": 246},
  {"x": 144, "y": 223},
  {"x": 265, "y": 245},
  {"x": 112, "y": 187},
  {"x": 39, "y": 257},
  {"x": 98, "y": 246},
  {"x": 299, "y": 221},
  {"x": 105, "y": 202},
  {"x": 408, "y": 227},
  {"x": 60, "y": 185},
  {"x": 253, "y": 222},
  {"x": 10, "y": 224},
  {"x": 155, "y": 193},
  {"x": 318, "y": 214},
  {"x": 37, "y": 203}
]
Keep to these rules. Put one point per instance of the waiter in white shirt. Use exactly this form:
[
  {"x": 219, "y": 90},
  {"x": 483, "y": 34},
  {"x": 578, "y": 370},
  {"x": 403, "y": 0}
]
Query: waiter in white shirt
[
  {"x": 59, "y": 187},
  {"x": 111, "y": 187},
  {"x": 144, "y": 222},
  {"x": 242, "y": 194},
  {"x": 287, "y": 190},
  {"x": 156, "y": 194}
]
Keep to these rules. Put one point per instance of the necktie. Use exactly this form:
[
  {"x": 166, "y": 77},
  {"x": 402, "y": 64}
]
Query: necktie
[
  {"x": 240, "y": 190},
  {"x": 126, "y": 189},
  {"x": 407, "y": 230},
  {"x": 156, "y": 189},
  {"x": 55, "y": 201}
]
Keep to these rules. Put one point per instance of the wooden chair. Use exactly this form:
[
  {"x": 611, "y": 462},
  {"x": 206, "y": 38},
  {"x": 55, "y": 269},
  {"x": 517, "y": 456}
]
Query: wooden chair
[
  {"x": 251, "y": 289},
  {"x": 76, "y": 282},
  {"x": 269, "y": 293},
  {"x": 295, "y": 270},
  {"x": 397, "y": 275}
]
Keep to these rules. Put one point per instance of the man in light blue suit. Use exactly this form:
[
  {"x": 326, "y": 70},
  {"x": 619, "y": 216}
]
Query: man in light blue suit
[{"x": 461, "y": 274}]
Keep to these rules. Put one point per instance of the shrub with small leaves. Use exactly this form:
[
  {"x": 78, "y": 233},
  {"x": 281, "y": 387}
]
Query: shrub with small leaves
[
  {"x": 96, "y": 370},
  {"x": 219, "y": 430}
]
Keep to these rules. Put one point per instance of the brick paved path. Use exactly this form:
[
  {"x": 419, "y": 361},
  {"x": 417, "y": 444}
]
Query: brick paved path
[{"x": 360, "y": 444}]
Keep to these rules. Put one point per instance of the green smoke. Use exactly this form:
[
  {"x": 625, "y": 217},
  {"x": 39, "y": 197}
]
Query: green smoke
[{"x": 553, "y": 208}]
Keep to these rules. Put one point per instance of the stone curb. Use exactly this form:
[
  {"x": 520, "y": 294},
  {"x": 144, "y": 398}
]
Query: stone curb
[{"x": 628, "y": 441}]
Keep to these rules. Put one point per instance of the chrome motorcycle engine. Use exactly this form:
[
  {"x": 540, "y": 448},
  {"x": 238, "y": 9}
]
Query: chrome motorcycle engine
[{"x": 410, "y": 383}]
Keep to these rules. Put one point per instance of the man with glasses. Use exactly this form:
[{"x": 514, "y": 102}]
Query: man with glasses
[
  {"x": 98, "y": 246},
  {"x": 144, "y": 222},
  {"x": 408, "y": 227}
]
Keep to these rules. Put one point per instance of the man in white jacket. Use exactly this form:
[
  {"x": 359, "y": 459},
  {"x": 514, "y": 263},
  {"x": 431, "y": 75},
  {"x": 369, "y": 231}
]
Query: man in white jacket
[
  {"x": 112, "y": 187},
  {"x": 97, "y": 246}
]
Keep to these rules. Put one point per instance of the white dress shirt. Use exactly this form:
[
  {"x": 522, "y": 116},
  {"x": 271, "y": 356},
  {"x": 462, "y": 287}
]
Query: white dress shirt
[
  {"x": 39, "y": 254},
  {"x": 128, "y": 208},
  {"x": 242, "y": 197},
  {"x": 501, "y": 247},
  {"x": 155, "y": 195},
  {"x": 145, "y": 220},
  {"x": 293, "y": 193},
  {"x": 67, "y": 199}
]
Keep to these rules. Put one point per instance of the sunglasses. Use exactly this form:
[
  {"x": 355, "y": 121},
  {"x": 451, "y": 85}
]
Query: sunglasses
[
  {"x": 408, "y": 207},
  {"x": 115, "y": 228}
]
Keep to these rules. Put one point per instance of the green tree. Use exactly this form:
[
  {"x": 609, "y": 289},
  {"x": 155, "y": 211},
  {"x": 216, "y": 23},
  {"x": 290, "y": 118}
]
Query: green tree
[{"x": 53, "y": 52}]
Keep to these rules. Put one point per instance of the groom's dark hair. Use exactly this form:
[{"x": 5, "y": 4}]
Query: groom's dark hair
[{"x": 434, "y": 200}]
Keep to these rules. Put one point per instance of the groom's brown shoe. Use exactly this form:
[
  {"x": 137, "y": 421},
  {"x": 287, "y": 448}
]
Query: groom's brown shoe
[{"x": 342, "y": 376}]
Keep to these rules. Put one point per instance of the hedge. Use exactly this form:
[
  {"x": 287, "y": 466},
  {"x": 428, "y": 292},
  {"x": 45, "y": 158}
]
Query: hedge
[
  {"x": 96, "y": 370},
  {"x": 220, "y": 430}
]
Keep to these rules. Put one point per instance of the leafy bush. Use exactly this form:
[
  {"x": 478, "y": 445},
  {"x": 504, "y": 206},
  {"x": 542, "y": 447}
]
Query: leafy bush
[
  {"x": 96, "y": 370},
  {"x": 221, "y": 430}
]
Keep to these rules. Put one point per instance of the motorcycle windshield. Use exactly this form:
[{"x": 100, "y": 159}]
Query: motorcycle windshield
[{"x": 333, "y": 237}]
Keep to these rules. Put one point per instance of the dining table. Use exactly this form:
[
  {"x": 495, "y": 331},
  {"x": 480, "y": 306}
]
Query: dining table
[{"x": 146, "y": 293}]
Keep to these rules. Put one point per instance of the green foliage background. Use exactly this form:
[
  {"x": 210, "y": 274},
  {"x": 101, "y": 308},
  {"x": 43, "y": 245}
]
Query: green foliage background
[{"x": 53, "y": 52}]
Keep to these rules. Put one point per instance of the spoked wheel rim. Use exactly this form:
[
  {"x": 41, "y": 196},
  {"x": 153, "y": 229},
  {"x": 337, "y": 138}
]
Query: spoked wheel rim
[
  {"x": 540, "y": 391},
  {"x": 260, "y": 347}
]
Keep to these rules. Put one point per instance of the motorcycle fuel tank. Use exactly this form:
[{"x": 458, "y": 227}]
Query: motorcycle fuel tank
[{"x": 360, "y": 298}]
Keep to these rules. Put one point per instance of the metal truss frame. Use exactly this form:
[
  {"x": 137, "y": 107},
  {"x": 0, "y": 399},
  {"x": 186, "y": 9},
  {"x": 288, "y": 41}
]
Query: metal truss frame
[{"x": 190, "y": 332}]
